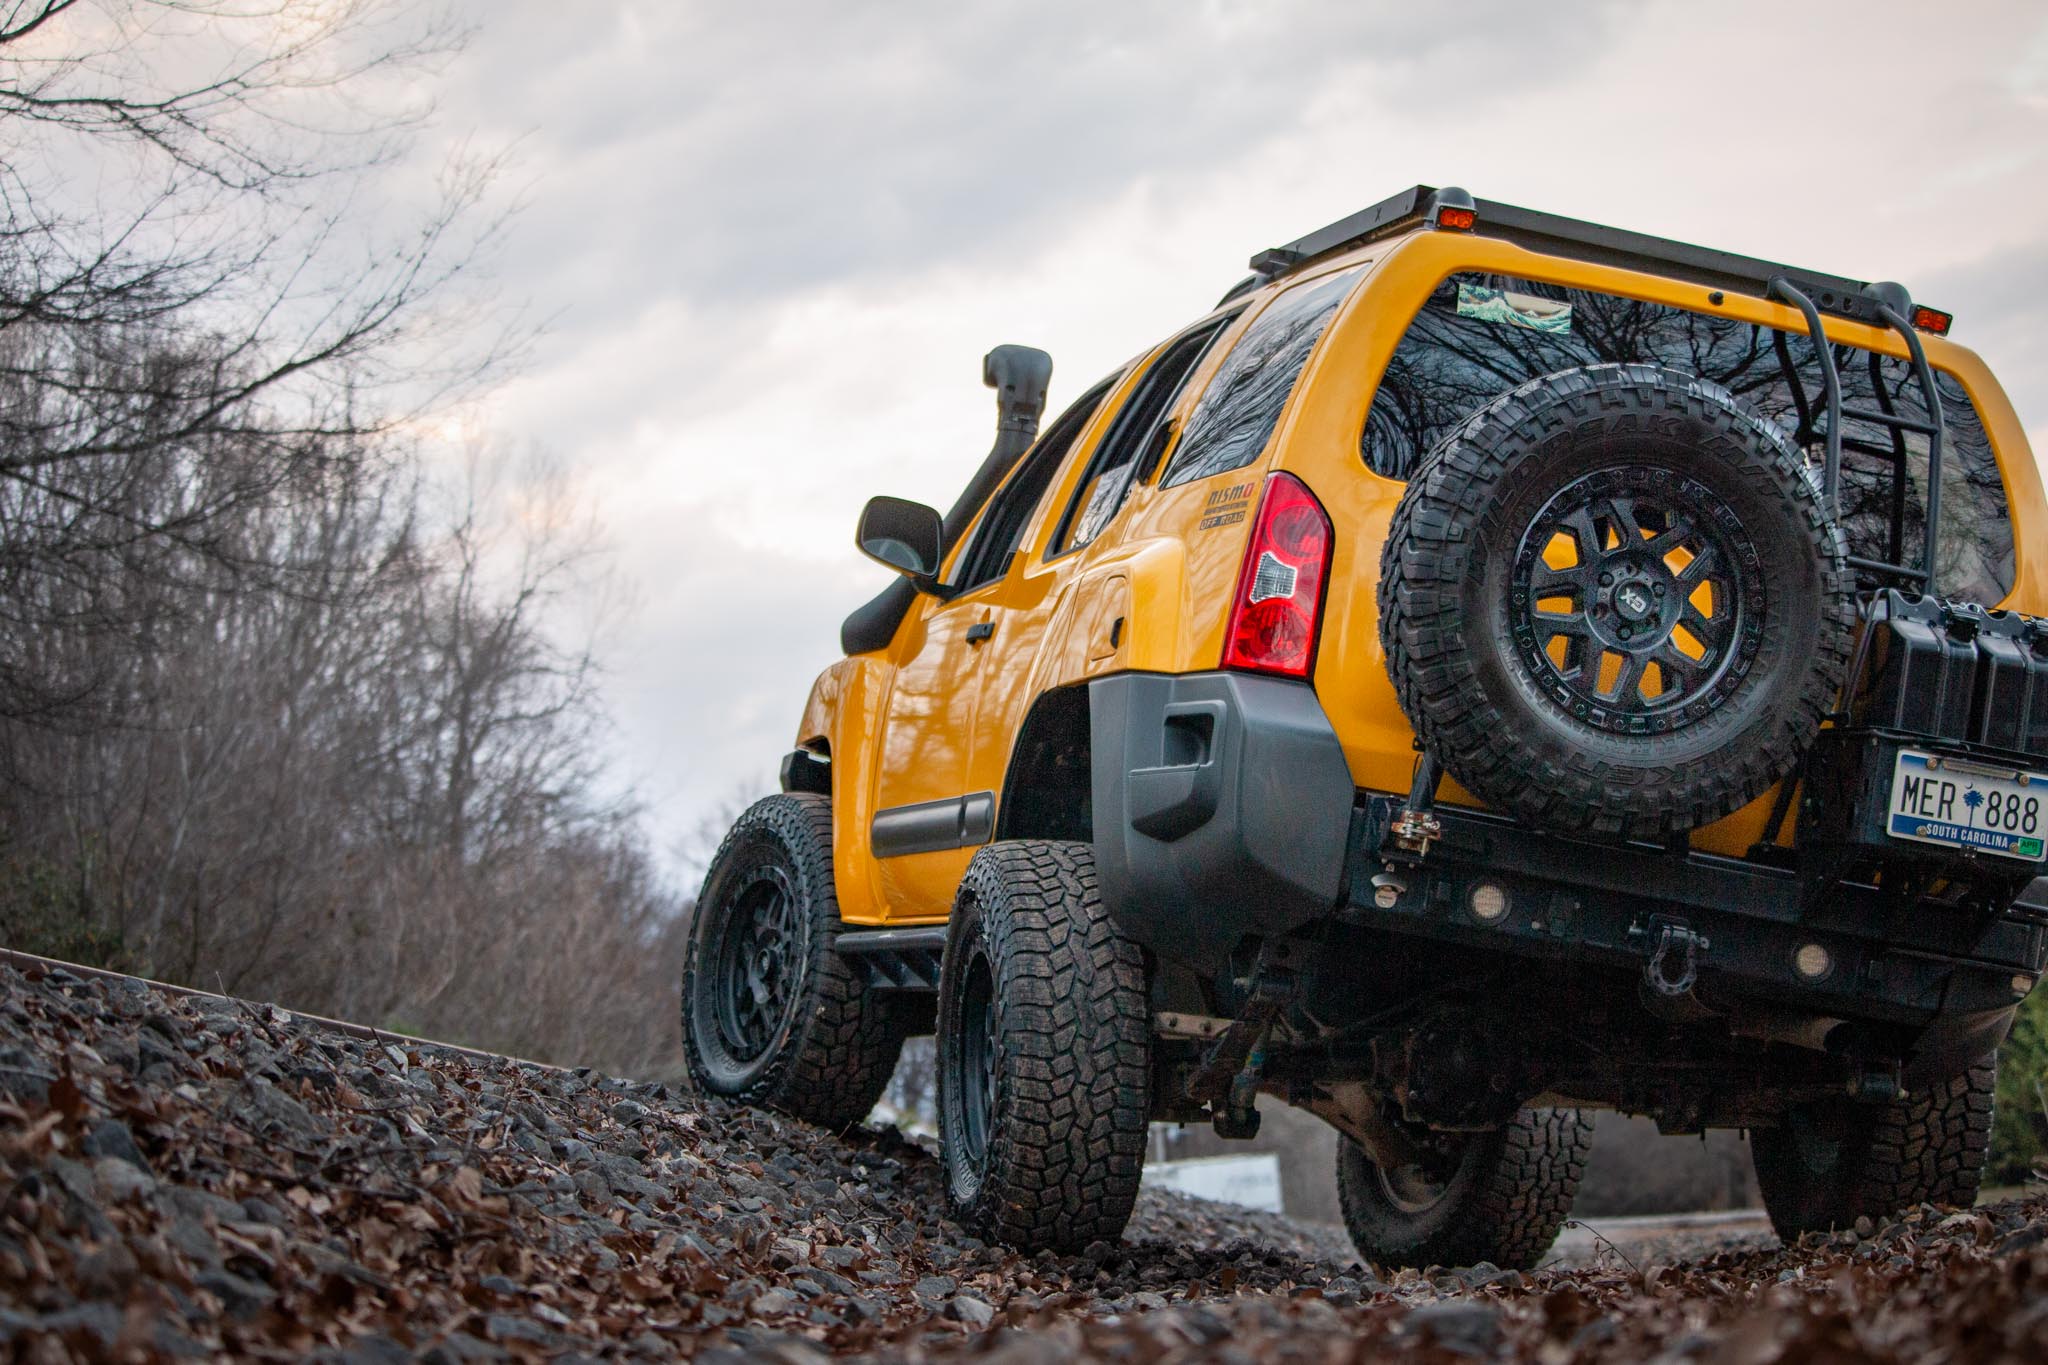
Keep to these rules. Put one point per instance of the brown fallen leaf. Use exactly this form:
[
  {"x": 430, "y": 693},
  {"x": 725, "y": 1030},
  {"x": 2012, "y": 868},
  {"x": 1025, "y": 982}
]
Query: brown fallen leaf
[{"x": 65, "y": 1096}]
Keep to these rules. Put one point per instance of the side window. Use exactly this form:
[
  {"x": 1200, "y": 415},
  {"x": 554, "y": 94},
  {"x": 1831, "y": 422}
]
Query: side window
[
  {"x": 1133, "y": 442},
  {"x": 1002, "y": 522},
  {"x": 1242, "y": 404}
]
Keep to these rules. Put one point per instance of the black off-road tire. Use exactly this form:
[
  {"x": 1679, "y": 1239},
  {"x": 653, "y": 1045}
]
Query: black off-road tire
[
  {"x": 831, "y": 1046},
  {"x": 1829, "y": 1164},
  {"x": 1461, "y": 577},
  {"x": 1504, "y": 1201},
  {"x": 1044, "y": 1036}
]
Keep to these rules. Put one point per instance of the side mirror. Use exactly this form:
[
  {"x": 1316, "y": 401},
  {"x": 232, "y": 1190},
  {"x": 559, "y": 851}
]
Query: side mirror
[{"x": 902, "y": 534}]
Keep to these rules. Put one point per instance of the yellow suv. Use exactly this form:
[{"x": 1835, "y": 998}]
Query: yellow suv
[{"x": 1491, "y": 667}]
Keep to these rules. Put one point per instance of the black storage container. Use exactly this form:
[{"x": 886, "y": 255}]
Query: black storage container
[
  {"x": 1954, "y": 671},
  {"x": 2007, "y": 697}
]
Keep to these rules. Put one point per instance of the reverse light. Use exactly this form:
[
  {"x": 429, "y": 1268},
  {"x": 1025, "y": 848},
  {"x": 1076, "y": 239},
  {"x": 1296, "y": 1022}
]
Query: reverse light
[
  {"x": 1813, "y": 961},
  {"x": 1932, "y": 320},
  {"x": 1279, "y": 598},
  {"x": 1489, "y": 903}
]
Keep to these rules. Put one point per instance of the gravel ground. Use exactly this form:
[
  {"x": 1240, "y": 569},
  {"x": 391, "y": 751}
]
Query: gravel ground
[{"x": 194, "y": 1178}]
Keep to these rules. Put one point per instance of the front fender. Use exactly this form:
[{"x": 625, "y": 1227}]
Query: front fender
[{"x": 843, "y": 716}]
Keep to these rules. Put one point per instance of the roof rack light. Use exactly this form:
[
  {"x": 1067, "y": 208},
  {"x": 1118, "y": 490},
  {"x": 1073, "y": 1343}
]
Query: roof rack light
[
  {"x": 1932, "y": 320},
  {"x": 1453, "y": 209}
]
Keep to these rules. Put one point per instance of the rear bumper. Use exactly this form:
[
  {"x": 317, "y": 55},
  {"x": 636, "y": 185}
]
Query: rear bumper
[
  {"x": 1946, "y": 975},
  {"x": 1223, "y": 809}
]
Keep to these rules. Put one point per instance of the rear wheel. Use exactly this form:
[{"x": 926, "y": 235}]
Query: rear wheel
[
  {"x": 772, "y": 1015},
  {"x": 1831, "y": 1163},
  {"x": 1044, "y": 1038},
  {"x": 1498, "y": 1196}
]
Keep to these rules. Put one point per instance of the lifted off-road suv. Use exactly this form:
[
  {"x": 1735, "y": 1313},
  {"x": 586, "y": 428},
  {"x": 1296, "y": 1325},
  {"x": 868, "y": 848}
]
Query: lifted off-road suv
[{"x": 1491, "y": 667}]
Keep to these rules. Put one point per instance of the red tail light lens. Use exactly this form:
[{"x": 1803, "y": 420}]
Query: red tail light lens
[{"x": 1279, "y": 598}]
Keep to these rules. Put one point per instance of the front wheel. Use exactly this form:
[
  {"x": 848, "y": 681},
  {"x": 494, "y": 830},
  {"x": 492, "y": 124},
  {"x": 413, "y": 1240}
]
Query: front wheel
[
  {"x": 1830, "y": 1163},
  {"x": 1499, "y": 1196},
  {"x": 772, "y": 1015},
  {"x": 1044, "y": 1038}
]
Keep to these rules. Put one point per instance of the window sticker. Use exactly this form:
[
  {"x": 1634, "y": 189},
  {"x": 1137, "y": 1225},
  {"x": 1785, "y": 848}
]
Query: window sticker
[{"x": 1506, "y": 307}]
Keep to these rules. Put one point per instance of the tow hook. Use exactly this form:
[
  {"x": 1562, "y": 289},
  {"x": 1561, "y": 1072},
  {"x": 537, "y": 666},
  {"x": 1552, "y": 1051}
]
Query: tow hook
[{"x": 1674, "y": 965}]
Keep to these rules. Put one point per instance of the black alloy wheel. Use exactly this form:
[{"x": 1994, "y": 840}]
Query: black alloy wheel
[
  {"x": 757, "y": 961},
  {"x": 772, "y": 1015},
  {"x": 1413, "y": 1188},
  {"x": 1638, "y": 600},
  {"x": 978, "y": 1044}
]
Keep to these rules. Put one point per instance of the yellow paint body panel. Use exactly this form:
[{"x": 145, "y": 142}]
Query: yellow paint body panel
[{"x": 931, "y": 716}]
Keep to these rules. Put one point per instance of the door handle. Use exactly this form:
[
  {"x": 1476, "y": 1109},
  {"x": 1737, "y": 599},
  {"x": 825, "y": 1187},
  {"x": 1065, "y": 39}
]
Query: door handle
[{"x": 980, "y": 631}]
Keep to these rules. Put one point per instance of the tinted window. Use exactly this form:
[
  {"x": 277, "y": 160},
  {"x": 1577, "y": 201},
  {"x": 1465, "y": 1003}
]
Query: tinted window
[
  {"x": 1001, "y": 525},
  {"x": 1479, "y": 336},
  {"x": 1238, "y": 411},
  {"x": 1134, "y": 441}
]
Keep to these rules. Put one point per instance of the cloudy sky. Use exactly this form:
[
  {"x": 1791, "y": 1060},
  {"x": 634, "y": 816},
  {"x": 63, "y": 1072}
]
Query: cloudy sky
[{"x": 774, "y": 240}]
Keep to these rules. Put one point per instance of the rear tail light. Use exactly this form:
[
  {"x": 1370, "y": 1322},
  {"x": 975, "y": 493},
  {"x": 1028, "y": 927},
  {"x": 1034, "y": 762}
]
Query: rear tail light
[{"x": 1279, "y": 600}]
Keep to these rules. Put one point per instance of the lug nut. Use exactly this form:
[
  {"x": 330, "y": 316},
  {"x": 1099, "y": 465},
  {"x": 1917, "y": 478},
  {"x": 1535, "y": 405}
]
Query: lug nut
[
  {"x": 1657, "y": 588},
  {"x": 1624, "y": 632},
  {"x": 1607, "y": 580}
]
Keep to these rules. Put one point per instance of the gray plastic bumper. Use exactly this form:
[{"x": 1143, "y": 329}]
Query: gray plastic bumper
[{"x": 1222, "y": 806}]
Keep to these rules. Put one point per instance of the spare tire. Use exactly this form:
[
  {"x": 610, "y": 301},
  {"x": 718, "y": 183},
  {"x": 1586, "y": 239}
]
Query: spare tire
[{"x": 1613, "y": 603}]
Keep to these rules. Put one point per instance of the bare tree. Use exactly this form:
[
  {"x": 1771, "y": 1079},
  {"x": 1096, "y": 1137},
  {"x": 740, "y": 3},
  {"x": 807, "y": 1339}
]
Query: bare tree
[
  {"x": 225, "y": 338},
  {"x": 271, "y": 718}
]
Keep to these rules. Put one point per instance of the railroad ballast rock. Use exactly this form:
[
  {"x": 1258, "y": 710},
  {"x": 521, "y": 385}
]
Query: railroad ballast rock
[{"x": 185, "y": 1177}]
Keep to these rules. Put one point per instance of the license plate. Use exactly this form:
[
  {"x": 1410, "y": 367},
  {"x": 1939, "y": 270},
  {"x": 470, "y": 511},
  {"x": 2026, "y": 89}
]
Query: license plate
[{"x": 1958, "y": 804}]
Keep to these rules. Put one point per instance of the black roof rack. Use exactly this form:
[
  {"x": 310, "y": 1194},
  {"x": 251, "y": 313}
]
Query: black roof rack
[{"x": 1452, "y": 208}]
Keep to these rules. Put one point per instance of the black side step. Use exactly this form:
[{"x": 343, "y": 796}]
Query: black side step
[{"x": 896, "y": 959}]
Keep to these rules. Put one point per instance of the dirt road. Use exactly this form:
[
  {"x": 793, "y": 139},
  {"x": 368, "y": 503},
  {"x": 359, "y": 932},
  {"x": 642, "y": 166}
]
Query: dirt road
[{"x": 185, "y": 1177}]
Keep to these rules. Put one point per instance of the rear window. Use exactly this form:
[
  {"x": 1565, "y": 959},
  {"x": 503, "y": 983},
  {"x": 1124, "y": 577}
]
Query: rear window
[{"x": 1480, "y": 335}]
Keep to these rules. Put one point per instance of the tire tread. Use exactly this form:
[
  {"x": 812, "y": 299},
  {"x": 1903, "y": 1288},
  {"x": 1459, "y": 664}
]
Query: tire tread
[
  {"x": 1067, "y": 1139},
  {"x": 1526, "y": 1176}
]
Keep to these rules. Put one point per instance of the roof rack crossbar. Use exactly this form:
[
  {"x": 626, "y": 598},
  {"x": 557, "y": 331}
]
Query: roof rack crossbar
[{"x": 1558, "y": 236}]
